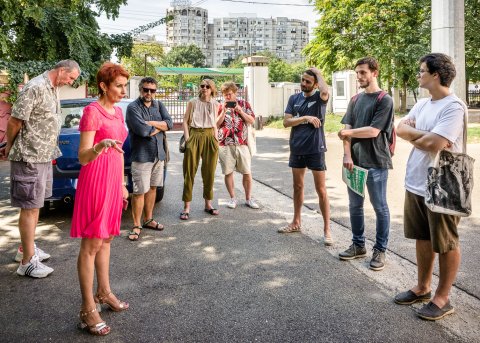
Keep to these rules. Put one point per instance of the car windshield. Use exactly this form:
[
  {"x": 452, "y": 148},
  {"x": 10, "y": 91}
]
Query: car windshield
[{"x": 73, "y": 111}]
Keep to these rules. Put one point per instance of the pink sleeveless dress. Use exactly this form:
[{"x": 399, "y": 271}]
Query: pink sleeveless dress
[{"x": 97, "y": 210}]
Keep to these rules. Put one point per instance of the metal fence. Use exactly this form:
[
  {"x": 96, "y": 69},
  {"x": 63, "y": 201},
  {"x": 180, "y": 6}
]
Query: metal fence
[
  {"x": 176, "y": 100},
  {"x": 474, "y": 98}
]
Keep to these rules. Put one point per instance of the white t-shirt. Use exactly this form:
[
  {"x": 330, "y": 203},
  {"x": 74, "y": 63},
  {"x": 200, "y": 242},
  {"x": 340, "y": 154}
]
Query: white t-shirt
[{"x": 445, "y": 117}]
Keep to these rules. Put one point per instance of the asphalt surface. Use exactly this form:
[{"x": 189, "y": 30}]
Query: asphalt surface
[{"x": 229, "y": 278}]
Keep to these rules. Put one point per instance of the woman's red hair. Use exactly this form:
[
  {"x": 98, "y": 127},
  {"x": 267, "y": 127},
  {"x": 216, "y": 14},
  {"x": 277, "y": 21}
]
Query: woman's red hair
[{"x": 108, "y": 72}]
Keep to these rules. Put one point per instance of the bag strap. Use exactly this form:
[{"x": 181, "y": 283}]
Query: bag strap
[
  {"x": 379, "y": 98},
  {"x": 465, "y": 127}
]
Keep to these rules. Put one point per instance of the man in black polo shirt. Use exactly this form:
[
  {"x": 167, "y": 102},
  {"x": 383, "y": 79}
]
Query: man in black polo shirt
[
  {"x": 305, "y": 114},
  {"x": 147, "y": 121}
]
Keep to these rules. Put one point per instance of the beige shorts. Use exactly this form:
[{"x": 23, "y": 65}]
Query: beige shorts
[
  {"x": 146, "y": 175},
  {"x": 31, "y": 184},
  {"x": 235, "y": 158},
  {"x": 422, "y": 224}
]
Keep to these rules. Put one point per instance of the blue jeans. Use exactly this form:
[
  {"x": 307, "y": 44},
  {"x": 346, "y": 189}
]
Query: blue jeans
[{"x": 377, "y": 191}]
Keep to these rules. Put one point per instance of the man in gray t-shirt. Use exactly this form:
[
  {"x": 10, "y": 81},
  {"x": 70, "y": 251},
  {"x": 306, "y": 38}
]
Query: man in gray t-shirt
[
  {"x": 368, "y": 124},
  {"x": 32, "y": 135}
]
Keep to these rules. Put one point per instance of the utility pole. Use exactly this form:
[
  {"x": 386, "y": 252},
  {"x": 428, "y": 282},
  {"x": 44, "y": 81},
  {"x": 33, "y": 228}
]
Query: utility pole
[{"x": 145, "y": 66}]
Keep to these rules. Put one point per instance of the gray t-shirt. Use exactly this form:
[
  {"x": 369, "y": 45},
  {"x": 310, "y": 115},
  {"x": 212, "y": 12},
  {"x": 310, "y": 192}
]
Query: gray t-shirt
[{"x": 367, "y": 111}]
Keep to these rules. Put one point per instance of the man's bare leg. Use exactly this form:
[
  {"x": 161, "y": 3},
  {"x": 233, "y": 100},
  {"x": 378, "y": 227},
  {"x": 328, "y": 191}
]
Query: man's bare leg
[
  {"x": 323, "y": 202},
  {"x": 26, "y": 224},
  {"x": 298, "y": 184}
]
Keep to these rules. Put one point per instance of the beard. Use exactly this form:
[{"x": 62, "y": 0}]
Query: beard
[
  {"x": 305, "y": 89},
  {"x": 364, "y": 84},
  {"x": 145, "y": 99}
]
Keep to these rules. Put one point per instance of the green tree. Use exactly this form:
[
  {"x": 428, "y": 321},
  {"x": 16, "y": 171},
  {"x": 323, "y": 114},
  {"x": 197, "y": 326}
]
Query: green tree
[
  {"x": 185, "y": 55},
  {"x": 396, "y": 32},
  {"x": 472, "y": 40},
  {"x": 51, "y": 30},
  {"x": 144, "y": 55}
]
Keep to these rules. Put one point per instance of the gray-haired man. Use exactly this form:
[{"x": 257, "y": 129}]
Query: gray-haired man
[
  {"x": 32, "y": 134},
  {"x": 147, "y": 121}
]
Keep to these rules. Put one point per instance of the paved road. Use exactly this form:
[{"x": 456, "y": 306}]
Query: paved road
[
  {"x": 272, "y": 161},
  {"x": 222, "y": 279}
]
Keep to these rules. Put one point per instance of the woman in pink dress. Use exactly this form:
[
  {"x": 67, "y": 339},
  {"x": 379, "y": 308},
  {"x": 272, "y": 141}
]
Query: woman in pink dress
[{"x": 100, "y": 193}]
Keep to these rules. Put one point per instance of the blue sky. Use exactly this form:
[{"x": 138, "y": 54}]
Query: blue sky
[{"x": 141, "y": 12}]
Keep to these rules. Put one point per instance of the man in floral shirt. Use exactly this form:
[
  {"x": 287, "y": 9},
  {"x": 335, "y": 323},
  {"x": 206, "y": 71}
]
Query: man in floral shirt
[
  {"x": 32, "y": 135},
  {"x": 233, "y": 117}
]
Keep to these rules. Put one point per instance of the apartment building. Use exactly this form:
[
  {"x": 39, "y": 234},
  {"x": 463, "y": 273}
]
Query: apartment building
[
  {"x": 237, "y": 35},
  {"x": 245, "y": 34},
  {"x": 189, "y": 25}
]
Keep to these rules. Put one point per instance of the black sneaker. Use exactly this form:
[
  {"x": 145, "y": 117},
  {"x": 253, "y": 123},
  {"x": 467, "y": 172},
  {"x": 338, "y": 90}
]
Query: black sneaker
[
  {"x": 432, "y": 312},
  {"x": 354, "y": 251},
  {"x": 378, "y": 260}
]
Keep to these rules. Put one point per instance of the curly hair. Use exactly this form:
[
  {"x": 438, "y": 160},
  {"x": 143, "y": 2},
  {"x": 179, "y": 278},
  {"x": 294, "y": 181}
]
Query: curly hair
[
  {"x": 229, "y": 86},
  {"x": 145, "y": 80},
  {"x": 442, "y": 65},
  {"x": 108, "y": 72}
]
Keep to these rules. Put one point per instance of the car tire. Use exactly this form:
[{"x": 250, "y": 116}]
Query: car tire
[
  {"x": 159, "y": 195},
  {"x": 45, "y": 209}
]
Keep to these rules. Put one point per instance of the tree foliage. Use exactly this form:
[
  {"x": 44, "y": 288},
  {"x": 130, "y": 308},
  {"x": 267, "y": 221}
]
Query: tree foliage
[
  {"x": 472, "y": 40},
  {"x": 52, "y": 30},
  {"x": 396, "y": 32},
  {"x": 278, "y": 69},
  {"x": 143, "y": 55},
  {"x": 185, "y": 55}
]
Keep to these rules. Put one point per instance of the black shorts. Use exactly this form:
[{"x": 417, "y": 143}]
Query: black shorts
[{"x": 311, "y": 161}]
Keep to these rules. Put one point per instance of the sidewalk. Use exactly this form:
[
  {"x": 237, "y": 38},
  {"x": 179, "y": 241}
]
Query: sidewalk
[{"x": 230, "y": 278}]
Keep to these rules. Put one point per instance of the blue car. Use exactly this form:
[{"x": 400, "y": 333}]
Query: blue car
[{"x": 67, "y": 167}]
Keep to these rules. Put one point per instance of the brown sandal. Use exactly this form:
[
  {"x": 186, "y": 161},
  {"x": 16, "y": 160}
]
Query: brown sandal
[
  {"x": 98, "y": 329},
  {"x": 135, "y": 235},
  {"x": 107, "y": 300}
]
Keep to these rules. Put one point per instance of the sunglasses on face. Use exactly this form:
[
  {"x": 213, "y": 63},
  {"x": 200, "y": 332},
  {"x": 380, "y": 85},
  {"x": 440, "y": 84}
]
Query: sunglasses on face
[
  {"x": 149, "y": 90},
  {"x": 205, "y": 86}
]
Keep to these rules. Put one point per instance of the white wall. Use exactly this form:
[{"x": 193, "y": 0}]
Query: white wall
[
  {"x": 258, "y": 88},
  {"x": 344, "y": 86},
  {"x": 68, "y": 92}
]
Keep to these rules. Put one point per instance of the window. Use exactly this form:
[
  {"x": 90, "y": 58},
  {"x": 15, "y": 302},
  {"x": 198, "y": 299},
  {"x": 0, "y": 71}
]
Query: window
[{"x": 340, "y": 87}]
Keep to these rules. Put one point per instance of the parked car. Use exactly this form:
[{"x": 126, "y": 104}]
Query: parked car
[{"x": 67, "y": 167}]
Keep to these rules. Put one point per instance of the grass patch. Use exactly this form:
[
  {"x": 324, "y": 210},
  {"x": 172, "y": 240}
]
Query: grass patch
[
  {"x": 473, "y": 133},
  {"x": 332, "y": 123}
]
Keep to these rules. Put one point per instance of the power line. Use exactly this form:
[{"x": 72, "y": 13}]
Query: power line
[{"x": 268, "y": 3}]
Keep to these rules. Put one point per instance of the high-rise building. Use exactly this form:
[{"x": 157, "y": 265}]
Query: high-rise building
[
  {"x": 245, "y": 34},
  {"x": 189, "y": 25},
  {"x": 237, "y": 35}
]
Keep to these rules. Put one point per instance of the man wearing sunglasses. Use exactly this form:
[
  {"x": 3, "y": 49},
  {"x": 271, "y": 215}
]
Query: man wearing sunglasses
[{"x": 147, "y": 120}]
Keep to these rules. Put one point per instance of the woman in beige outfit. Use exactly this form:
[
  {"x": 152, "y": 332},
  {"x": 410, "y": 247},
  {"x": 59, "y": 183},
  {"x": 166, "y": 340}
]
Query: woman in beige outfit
[{"x": 200, "y": 132}]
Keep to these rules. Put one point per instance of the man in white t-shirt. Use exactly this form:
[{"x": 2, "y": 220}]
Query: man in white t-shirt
[{"x": 433, "y": 124}]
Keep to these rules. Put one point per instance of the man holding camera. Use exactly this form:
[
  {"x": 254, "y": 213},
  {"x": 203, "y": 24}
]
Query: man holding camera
[{"x": 232, "y": 120}]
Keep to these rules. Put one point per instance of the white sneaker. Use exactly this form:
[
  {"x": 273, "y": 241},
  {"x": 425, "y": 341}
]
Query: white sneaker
[
  {"x": 252, "y": 204},
  {"x": 232, "y": 203},
  {"x": 42, "y": 255},
  {"x": 34, "y": 268}
]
